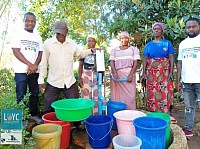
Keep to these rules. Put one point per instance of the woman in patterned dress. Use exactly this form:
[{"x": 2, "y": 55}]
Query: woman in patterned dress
[
  {"x": 123, "y": 61},
  {"x": 158, "y": 68},
  {"x": 86, "y": 66}
]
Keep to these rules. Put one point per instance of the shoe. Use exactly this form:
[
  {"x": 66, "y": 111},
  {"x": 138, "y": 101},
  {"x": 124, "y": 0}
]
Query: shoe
[
  {"x": 187, "y": 133},
  {"x": 37, "y": 119},
  {"x": 173, "y": 120}
]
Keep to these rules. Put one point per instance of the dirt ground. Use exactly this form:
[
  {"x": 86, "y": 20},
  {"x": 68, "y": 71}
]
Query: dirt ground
[{"x": 178, "y": 114}]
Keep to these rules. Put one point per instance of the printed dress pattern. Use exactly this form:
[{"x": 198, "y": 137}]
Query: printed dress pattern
[{"x": 159, "y": 89}]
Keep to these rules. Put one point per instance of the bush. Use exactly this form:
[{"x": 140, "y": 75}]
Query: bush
[{"x": 8, "y": 101}]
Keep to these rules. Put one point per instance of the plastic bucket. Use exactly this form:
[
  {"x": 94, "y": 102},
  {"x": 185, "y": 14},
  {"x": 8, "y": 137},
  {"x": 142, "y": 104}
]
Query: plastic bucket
[
  {"x": 167, "y": 118},
  {"x": 126, "y": 141},
  {"x": 152, "y": 132},
  {"x": 112, "y": 107},
  {"x": 125, "y": 119},
  {"x": 65, "y": 136},
  {"x": 99, "y": 128},
  {"x": 47, "y": 136}
]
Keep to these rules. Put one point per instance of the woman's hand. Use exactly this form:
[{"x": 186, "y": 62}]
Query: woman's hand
[
  {"x": 115, "y": 76},
  {"x": 42, "y": 88},
  {"x": 171, "y": 77},
  {"x": 143, "y": 77},
  {"x": 130, "y": 78},
  {"x": 80, "y": 82}
]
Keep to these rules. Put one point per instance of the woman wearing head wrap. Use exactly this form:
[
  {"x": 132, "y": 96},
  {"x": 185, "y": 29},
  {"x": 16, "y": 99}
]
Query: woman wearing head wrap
[
  {"x": 123, "y": 61},
  {"x": 158, "y": 71},
  {"x": 86, "y": 66}
]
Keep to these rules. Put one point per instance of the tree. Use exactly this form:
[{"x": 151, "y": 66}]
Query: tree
[
  {"x": 107, "y": 17},
  {"x": 4, "y": 9},
  {"x": 81, "y": 16}
]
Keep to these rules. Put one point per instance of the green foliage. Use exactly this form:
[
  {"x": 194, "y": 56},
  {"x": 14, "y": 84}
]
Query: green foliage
[
  {"x": 76, "y": 13},
  {"x": 8, "y": 101},
  {"x": 107, "y": 18},
  {"x": 76, "y": 74}
]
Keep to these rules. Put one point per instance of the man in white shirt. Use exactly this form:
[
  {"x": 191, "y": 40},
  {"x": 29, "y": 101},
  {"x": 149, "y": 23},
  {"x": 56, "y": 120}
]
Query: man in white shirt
[
  {"x": 189, "y": 72},
  {"x": 57, "y": 59},
  {"x": 27, "y": 48}
]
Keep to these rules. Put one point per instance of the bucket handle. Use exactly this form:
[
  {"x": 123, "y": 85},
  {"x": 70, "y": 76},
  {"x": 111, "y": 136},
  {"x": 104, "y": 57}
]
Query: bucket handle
[
  {"x": 46, "y": 143},
  {"x": 103, "y": 136}
]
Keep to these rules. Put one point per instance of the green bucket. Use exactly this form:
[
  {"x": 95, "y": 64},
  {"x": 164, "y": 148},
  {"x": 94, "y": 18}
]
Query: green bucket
[
  {"x": 166, "y": 117},
  {"x": 72, "y": 110}
]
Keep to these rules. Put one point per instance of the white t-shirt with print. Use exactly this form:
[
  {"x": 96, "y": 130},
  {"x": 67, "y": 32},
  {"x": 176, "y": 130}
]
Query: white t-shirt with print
[
  {"x": 189, "y": 53},
  {"x": 30, "y": 44}
]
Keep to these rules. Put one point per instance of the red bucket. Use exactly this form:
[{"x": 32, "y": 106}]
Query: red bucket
[{"x": 65, "y": 137}]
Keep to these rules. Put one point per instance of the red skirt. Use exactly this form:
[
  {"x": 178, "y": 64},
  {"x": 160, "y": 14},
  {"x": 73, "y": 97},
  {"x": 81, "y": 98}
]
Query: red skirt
[{"x": 159, "y": 89}]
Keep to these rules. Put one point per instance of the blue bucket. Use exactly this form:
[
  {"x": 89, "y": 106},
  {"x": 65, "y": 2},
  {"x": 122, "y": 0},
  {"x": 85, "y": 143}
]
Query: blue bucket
[
  {"x": 152, "y": 132},
  {"x": 98, "y": 128},
  {"x": 112, "y": 107}
]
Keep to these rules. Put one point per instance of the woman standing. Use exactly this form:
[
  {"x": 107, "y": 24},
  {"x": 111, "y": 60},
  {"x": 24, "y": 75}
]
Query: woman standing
[
  {"x": 86, "y": 70},
  {"x": 123, "y": 61},
  {"x": 158, "y": 68}
]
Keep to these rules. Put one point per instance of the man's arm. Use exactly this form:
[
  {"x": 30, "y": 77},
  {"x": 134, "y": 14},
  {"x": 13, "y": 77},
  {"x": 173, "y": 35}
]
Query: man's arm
[
  {"x": 20, "y": 57},
  {"x": 179, "y": 69},
  {"x": 80, "y": 72},
  {"x": 38, "y": 60}
]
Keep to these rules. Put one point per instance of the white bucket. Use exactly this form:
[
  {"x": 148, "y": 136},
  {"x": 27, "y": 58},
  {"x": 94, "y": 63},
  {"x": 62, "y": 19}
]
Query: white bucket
[{"x": 126, "y": 141}]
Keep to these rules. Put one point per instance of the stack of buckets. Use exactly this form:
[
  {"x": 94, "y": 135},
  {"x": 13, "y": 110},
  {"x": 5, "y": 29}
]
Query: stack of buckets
[
  {"x": 137, "y": 130},
  {"x": 47, "y": 132}
]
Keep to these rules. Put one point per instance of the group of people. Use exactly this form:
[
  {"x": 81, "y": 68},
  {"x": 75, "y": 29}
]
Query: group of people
[{"x": 34, "y": 61}]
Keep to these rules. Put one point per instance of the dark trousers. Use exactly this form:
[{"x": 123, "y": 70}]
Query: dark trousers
[
  {"x": 23, "y": 81},
  {"x": 52, "y": 93}
]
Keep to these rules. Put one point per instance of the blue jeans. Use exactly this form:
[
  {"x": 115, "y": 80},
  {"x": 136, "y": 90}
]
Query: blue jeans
[
  {"x": 191, "y": 92},
  {"x": 23, "y": 81}
]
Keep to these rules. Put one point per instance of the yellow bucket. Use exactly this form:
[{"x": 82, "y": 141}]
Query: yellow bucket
[{"x": 47, "y": 136}]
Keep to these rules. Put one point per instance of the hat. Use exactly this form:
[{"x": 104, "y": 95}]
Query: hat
[
  {"x": 160, "y": 24},
  {"x": 92, "y": 36},
  {"x": 61, "y": 27},
  {"x": 124, "y": 33}
]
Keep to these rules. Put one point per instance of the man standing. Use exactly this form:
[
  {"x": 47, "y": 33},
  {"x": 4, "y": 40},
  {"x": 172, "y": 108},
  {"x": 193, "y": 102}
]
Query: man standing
[
  {"x": 27, "y": 48},
  {"x": 189, "y": 71},
  {"x": 58, "y": 58}
]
